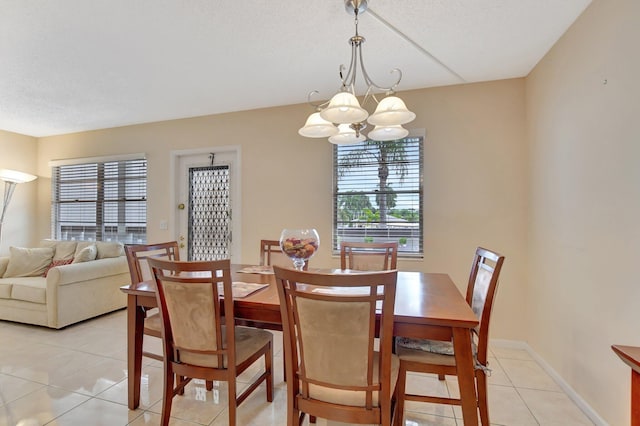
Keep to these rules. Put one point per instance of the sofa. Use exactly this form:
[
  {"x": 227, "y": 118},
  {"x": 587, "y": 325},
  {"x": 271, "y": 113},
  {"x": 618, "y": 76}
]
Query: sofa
[{"x": 62, "y": 282}]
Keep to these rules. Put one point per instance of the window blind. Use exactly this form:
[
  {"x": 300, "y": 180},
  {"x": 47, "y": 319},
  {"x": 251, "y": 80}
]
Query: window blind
[
  {"x": 378, "y": 194},
  {"x": 100, "y": 201}
]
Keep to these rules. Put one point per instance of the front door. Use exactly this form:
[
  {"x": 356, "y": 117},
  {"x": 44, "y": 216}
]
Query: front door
[{"x": 206, "y": 205}]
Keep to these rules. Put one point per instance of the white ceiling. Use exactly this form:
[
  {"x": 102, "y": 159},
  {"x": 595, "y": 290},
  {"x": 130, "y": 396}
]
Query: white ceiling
[{"x": 76, "y": 65}]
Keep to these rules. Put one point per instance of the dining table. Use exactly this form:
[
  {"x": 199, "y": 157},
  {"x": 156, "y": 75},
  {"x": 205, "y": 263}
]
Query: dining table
[{"x": 427, "y": 306}]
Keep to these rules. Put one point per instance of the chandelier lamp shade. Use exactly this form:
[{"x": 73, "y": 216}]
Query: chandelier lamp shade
[
  {"x": 346, "y": 135},
  {"x": 342, "y": 119},
  {"x": 11, "y": 178}
]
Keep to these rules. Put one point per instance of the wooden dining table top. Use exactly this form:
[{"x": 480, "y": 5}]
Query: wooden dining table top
[{"x": 421, "y": 297}]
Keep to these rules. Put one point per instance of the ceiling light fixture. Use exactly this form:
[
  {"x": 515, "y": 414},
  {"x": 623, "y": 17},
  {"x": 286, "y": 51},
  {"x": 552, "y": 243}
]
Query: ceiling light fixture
[{"x": 345, "y": 111}]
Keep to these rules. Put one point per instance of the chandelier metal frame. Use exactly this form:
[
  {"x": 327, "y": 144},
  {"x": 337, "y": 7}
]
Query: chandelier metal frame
[{"x": 345, "y": 110}]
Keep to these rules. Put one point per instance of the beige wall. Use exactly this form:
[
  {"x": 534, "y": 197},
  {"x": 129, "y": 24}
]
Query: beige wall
[
  {"x": 17, "y": 152},
  {"x": 543, "y": 169},
  {"x": 583, "y": 291},
  {"x": 475, "y": 182}
]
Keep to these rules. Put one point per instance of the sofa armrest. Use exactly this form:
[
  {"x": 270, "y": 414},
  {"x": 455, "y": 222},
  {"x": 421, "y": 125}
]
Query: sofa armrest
[
  {"x": 4, "y": 261},
  {"x": 86, "y": 271}
]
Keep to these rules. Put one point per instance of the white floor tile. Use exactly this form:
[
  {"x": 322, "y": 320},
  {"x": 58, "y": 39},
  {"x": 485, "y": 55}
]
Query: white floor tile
[
  {"x": 528, "y": 374},
  {"x": 97, "y": 412},
  {"x": 12, "y": 388},
  {"x": 77, "y": 376},
  {"x": 553, "y": 408},
  {"x": 40, "y": 407}
]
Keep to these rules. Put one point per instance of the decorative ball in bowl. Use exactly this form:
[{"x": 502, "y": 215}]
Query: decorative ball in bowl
[{"x": 300, "y": 245}]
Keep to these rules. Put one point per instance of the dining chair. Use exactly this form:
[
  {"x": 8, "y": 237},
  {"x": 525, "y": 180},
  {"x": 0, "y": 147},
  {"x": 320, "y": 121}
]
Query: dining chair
[
  {"x": 271, "y": 254},
  {"x": 368, "y": 256},
  {"x": 329, "y": 327},
  {"x": 139, "y": 269},
  {"x": 199, "y": 335},
  {"x": 437, "y": 357}
]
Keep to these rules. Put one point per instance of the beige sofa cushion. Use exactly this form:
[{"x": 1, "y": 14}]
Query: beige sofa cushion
[
  {"x": 109, "y": 249},
  {"x": 5, "y": 290},
  {"x": 28, "y": 262},
  {"x": 29, "y": 289},
  {"x": 63, "y": 250}
]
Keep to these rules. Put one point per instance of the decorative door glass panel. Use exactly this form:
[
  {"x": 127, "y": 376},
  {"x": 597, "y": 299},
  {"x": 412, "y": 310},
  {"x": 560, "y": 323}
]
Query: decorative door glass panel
[{"x": 209, "y": 213}]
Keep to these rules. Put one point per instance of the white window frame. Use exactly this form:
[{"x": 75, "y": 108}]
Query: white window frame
[
  {"x": 100, "y": 198},
  {"x": 362, "y": 178}
]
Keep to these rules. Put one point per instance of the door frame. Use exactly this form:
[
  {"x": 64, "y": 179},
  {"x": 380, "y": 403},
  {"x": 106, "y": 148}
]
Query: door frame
[{"x": 236, "y": 185}]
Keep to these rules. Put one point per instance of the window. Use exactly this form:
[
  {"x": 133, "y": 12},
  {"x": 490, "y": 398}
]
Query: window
[
  {"x": 100, "y": 200},
  {"x": 378, "y": 194}
]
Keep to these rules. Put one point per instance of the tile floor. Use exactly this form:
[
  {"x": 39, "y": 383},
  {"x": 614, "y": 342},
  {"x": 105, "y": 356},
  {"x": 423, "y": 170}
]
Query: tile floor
[{"x": 78, "y": 376}]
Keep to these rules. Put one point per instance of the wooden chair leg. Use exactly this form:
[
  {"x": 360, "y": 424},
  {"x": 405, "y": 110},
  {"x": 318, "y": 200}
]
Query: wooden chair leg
[
  {"x": 268, "y": 366},
  {"x": 386, "y": 413},
  {"x": 180, "y": 380},
  {"x": 233, "y": 402},
  {"x": 168, "y": 394},
  {"x": 284, "y": 368},
  {"x": 483, "y": 403},
  {"x": 400, "y": 392}
]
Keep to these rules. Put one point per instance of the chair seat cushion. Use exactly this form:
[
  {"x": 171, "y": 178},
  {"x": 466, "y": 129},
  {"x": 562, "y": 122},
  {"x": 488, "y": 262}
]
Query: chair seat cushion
[
  {"x": 355, "y": 398},
  {"x": 428, "y": 351},
  {"x": 426, "y": 345},
  {"x": 248, "y": 341}
]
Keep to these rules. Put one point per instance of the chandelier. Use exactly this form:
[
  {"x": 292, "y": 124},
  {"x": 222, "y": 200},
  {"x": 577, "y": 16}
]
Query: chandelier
[{"x": 342, "y": 119}]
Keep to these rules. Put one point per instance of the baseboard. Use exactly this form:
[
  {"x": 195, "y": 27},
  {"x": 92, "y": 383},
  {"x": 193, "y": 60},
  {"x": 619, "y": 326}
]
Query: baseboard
[{"x": 571, "y": 393}]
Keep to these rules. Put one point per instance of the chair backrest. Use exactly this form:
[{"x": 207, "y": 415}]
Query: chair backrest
[
  {"x": 271, "y": 254},
  {"x": 481, "y": 290},
  {"x": 329, "y": 326},
  {"x": 188, "y": 295},
  {"x": 368, "y": 256},
  {"x": 138, "y": 254}
]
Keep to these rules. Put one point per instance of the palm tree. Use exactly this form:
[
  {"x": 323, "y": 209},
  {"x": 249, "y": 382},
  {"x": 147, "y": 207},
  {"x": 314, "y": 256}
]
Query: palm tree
[
  {"x": 352, "y": 206},
  {"x": 384, "y": 154}
]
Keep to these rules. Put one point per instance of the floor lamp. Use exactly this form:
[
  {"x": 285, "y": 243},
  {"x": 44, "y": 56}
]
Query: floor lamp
[{"x": 11, "y": 178}]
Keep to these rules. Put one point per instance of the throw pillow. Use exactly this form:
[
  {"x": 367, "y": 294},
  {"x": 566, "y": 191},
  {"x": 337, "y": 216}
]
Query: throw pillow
[
  {"x": 62, "y": 249},
  {"x": 86, "y": 254},
  {"x": 55, "y": 263},
  {"x": 109, "y": 249},
  {"x": 80, "y": 245},
  {"x": 28, "y": 262}
]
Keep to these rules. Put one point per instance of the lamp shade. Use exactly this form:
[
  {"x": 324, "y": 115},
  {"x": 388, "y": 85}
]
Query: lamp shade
[
  {"x": 388, "y": 133},
  {"x": 346, "y": 136},
  {"x": 317, "y": 127},
  {"x": 344, "y": 108},
  {"x": 16, "y": 176},
  {"x": 391, "y": 111}
]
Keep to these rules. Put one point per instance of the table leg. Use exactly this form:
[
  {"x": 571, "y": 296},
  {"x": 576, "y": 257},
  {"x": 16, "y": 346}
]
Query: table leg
[
  {"x": 135, "y": 328},
  {"x": 635, "y": 398},
  {"x": 466, "y": 375}
]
